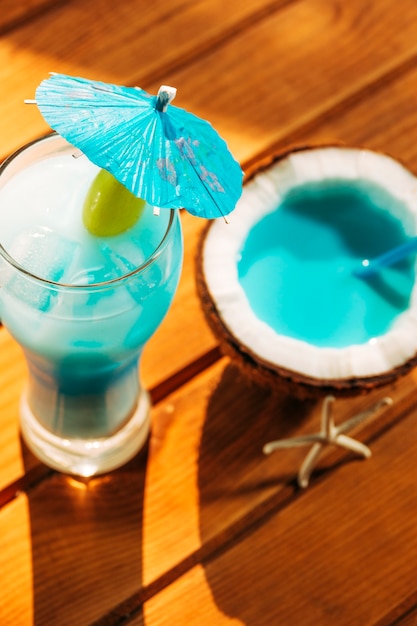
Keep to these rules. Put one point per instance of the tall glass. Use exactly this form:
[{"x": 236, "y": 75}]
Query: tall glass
[{"x": 83, "y": 410}]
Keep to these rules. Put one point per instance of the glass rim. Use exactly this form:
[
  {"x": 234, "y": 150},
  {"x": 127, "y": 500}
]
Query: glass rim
[{"x": 89, "y": 286}]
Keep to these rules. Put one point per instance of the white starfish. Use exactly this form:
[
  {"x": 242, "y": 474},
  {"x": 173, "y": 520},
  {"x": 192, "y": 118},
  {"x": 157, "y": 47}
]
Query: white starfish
[{"x": 329, "y": 435}]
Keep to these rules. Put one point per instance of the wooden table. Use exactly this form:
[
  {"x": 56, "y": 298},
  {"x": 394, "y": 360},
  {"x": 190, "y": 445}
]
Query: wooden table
[{"x": 202, "y": 528}]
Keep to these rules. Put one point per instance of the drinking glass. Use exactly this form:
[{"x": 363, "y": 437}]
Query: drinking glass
[{"x": 83, "y": 410}]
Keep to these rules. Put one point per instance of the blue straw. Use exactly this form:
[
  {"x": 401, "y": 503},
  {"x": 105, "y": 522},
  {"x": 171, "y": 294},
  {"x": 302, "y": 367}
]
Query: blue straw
[{"x": 373, "y": 266}]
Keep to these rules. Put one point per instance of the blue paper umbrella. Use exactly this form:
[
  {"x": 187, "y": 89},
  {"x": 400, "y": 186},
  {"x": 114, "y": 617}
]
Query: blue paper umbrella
[{"x": 161, "y": 153}]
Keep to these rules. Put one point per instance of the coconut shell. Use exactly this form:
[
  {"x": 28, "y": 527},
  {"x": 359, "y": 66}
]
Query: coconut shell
[{"x": 273, "y": 374}]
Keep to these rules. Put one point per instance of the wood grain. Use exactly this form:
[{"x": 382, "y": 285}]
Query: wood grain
[
  {"x": 13, "y": 14},
  {"x": 87, "y": 534},
  {"x": 201, "y": 527},
  {"x": 342, "y": 553},
  {"x": 13, "y": 373},
  {"x": 378, "y": 41},
  {"x": 117, "y": 42}
]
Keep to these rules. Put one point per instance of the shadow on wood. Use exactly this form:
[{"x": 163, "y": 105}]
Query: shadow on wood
[
  {"x": 241, "y": 418},
  {"x": 86, "y": 544}
]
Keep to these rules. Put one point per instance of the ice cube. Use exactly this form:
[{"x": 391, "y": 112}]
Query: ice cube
[
  {"x": 129, "y": 250},
  {"x": 124, "y": 258},
  {"x": 43, "y": 254}
]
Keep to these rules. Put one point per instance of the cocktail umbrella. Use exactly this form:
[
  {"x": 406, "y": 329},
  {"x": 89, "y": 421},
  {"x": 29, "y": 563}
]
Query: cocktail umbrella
[{"x": 161, "y": 153}]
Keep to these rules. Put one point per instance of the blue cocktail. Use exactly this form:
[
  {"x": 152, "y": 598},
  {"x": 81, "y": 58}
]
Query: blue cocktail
[
  {"x": 82, "y": 307},
  {"x": 282, "y": 286},
  {"x": 308, "y": 249}
]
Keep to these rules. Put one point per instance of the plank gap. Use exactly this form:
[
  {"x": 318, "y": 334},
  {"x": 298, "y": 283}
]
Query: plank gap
[
  {"x": 181, "y": 377},
  {"x": 25, "y": 483},
  {"x": 401, "y": 615}
]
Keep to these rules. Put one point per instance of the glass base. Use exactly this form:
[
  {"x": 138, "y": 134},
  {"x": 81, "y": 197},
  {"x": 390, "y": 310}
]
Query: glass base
[{"x": 86, "y": 457}]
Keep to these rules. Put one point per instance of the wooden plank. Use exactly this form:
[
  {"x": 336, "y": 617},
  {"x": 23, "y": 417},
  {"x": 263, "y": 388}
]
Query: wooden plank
[
  {"x": 13, "y": 462},
  {"x": 116, "y": 43},
  {"x": 204, "y": 481},
  {"x": 16, "y": 599},
  {"x": 78, "y": 549},
  {"x": 344, "y": 552},
  {"x": 384, "y": 120}
]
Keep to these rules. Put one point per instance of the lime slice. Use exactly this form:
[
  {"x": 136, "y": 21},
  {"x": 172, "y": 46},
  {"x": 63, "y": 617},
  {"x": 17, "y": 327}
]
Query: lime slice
[{"x": 109, "y": 208}]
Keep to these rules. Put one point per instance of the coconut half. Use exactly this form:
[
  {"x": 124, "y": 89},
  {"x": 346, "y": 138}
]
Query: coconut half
[{"x": 351, "y": 368}]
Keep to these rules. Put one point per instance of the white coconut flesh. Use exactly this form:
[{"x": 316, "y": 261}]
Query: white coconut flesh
[{"x": 262, "y": 195}]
